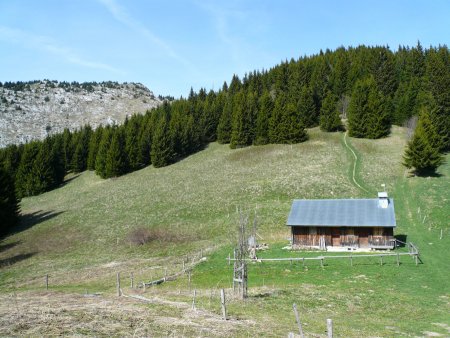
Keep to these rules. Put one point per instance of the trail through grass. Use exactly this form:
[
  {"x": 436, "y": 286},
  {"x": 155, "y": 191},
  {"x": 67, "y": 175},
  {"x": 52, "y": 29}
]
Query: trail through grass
[{"x": 355, "y": 163}]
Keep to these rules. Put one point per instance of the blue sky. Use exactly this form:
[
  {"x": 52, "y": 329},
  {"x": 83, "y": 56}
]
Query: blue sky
[{"x": 172, "y": 45}]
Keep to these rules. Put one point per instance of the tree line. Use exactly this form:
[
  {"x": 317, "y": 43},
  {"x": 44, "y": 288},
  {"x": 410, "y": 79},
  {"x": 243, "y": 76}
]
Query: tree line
[{"x": 372, "y": 87}]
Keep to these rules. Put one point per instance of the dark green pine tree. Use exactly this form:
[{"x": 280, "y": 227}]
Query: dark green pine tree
[
  {"x": 422, "y": 152},
  {"x": 103, "y": 147},
  {"x": 239, "y": 124},
  {"x": 438, "y": 83},
  {"x": 81, "y": 149},
  {"x": 262, "y": 119},
  {"x": 24, "y": 176},
  {"x": 293, "y": 127},
  {"x": 276, "y": 128},
  {"x": 329, "y": 114},
  {"x": 57, "y": 159},
  {"x": 162, "y": 151},
  {"x": 379, "y": 114},
  {"x": 132, "y": 148},
  {"x": 94, "y": 143},
  {"x": 338, "y": 77},
  {"x": 68, "y": 149},
  {"x": 116, "y": 157},
  {"x": 368, "y": 113},
  {"x": 9, "y": 204},
  {"x": 385, "y": 75},
  {"x": 307, "y": 108},
  {"x": 224, "y": 126},
  {"x": 145, "y": 137},
  {"x": 43, "y": 172},
  {"x": 10, "y": 158},
  {"x": 285, "y": 124}
]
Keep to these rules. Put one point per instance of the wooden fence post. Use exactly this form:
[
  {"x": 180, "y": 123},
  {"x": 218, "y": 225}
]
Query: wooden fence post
[
  {"x": 299, "y": 323},
  {"x": 189, "y": 280},
  {"x": 330, "y": 328},
  {"x": 303, "y": 262},
  {"x": 118, "y": 284},
  {"x": 417, "y": 258},
  {"x": 193, "y": 299},
  {"x": 143, "y": 286},
  {"x": 351, "y": 260},
  {"x": 381, "y": 260},
  {"x": 132, "y": 280},
  {"x": 46, "y": 281},
  {"x": 229, "y": 259},
  {"x": 440, "y": 237},
  {"x": 398, "y": 259},
  {"x": 201, "y": 253},
  {"x": 222, "y": 302}
]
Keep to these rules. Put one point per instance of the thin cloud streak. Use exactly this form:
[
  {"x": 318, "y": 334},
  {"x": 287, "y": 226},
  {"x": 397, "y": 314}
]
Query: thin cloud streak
[
  {"x": 121, "y": 15},
  {"x": 221, "y": 18},
  {"x": 46, "y": 44}
]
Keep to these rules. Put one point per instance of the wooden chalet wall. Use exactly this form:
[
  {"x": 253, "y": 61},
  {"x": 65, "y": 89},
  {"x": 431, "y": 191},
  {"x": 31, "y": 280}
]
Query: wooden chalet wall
[{"x": 341, "y": 236}]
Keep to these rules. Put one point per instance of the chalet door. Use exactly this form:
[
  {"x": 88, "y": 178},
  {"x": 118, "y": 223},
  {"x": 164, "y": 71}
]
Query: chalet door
[
  {"x": 363, "y": 234},
  {"x": 335, "y": 237}
]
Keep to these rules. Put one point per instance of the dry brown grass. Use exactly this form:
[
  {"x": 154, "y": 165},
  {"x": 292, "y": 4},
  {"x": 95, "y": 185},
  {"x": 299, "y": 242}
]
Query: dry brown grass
[{"x": 54, "y": 314}]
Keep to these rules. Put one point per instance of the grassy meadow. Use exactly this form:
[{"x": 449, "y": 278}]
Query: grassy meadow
[{"x": 85, "y": 232}]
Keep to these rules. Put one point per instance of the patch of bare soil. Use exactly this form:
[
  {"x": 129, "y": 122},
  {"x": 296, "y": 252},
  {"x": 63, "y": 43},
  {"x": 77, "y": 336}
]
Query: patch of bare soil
[{"x": 55, "y": 313}]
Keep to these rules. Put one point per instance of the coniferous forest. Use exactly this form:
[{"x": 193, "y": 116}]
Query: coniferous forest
[{"x": 371, "y": 87}]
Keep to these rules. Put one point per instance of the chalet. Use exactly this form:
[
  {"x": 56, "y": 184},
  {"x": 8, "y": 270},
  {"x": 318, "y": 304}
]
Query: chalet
[{"x": 344, "y": 223}]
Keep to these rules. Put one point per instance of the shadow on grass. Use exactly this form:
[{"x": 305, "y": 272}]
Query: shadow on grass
[
  {"x": 5, "y": 262},
  {"x": 29, "y": 220},
  {"x": 401, "y": 240},
  {"x": 68, "y": 180},
  {"x": 4, "y": 247}
]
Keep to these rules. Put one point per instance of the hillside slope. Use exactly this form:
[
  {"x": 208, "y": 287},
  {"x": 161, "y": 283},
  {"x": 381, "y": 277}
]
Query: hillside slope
[
  {"x": 37, "y": 109},
  {"x": 81, "y": 235}
]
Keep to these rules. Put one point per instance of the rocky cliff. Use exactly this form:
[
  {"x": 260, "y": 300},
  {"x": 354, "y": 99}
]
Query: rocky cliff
[{"x": 33, "y": 110}]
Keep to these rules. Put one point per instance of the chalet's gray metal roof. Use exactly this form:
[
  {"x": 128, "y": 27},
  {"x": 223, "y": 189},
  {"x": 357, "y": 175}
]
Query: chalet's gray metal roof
[{"x": 344, "y": 212}]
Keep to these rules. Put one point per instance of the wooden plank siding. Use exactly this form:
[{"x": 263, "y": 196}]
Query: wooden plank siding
[{"x": 362, "y": 237}]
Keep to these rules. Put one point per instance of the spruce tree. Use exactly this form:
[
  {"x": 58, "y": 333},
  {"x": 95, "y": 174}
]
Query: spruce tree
[
  {"x": 80, "y": 142},
  {"x": 422, "y": 152},
  {"x": 9, "y": 204},
  {"x": 100, "y": 160},
  {"x": 276, "y": 128},
  {"x": 369, "y": 113},
  {"x": 43, "y": 174},
  {"x": 307, "y": 108},
  {"x": 379, "y": 112},
  {"x": 293, "y": 127},
  {"x": 239, "y": 125},
  {"x": 438, "y": 83},
  {"x": 24, "y": 176},
  {"x": 162, "y": 151},
  {"x": 262, "y": 120},
  {"x": 132, "y": 148},
  {"x": 329, "y": 115},
  {"x": 224, "y": 126},
  {"x": 93, "y": 147},
  {"x": 57, "y": 159},
  {"x": 358, "y": 110},
  {"x": 116, "y": 158}
]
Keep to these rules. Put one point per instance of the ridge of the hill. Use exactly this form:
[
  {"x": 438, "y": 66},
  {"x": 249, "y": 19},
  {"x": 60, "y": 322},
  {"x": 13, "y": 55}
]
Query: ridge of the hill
[{"x": 33, "y": 110}]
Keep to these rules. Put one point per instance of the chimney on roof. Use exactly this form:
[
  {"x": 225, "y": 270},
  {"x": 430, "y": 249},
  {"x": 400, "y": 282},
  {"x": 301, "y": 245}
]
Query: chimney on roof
[{"x": 383, "y": 201}]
